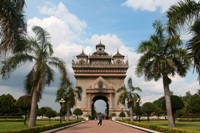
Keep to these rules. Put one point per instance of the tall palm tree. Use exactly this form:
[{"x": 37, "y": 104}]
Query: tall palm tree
[
  {"x": 162, "y": 57},
  {"x": 186, "y": 15},
  {"x": 39, "y": 52},
  {"x": 12, "y": 26},
  {"x": 68, "y": 93},
  {"x": 128, "y": 93}
]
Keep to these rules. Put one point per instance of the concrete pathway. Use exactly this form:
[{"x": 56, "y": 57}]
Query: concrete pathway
[{"x": 108, "y": 126}]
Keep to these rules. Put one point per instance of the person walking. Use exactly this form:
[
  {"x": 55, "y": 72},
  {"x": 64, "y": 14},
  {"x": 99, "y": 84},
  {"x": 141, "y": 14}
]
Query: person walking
[{"x": 100, "y": 119}]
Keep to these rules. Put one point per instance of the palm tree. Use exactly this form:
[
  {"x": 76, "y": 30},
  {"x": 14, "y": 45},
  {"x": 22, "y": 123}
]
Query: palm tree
[
  {"x": 12, "y": 26},
  {"x": 185, "y": 15},
  {"x": 128, "y": 93},
  {"x": 162, "y": 57},
  {"x": 68, "y": 93},
  {"x": 38, "y": 51}
]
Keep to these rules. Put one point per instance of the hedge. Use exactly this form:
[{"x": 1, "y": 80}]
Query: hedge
[
  {"x": 190, "y": 116},
  {"x": 189, "y": 119},
  {"x": 162, "y": 129},
  {"x": 43, "y": 128},
  {"x": 11, "y": 117}
]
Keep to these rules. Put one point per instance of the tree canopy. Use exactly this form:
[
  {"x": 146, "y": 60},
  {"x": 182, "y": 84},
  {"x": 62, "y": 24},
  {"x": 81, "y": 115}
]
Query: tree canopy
[
  {"x": 51, "y": 113},
  {"x": 185, "y": 15},
  {"x": 129, "y": 94},
  {"x": 39, "y": 52},
  {"x": 13, "y": 26},
  {"x": 162, "y": 57},
  {"x": 7, "y": 104},
  {"x": 122, "y": 114},
  {"x": 24, "y": 103},
  {"x": 148, "y": 108},
  {"x": 193, "y": 105},
  {"x": 77, "y": 112}
]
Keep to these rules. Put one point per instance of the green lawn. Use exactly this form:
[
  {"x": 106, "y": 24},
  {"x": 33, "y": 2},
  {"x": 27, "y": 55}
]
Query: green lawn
[
  {"x": 9, "y": 126},
  {"x": 183, "y": 125}
]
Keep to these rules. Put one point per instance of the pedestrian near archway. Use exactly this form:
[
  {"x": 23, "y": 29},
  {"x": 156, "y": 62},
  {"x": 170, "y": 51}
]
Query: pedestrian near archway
[{"x": 100, "y": 119}]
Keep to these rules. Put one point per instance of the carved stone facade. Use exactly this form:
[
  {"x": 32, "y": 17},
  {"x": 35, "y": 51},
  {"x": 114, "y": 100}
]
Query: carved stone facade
[{"x": 100, "y": 75}]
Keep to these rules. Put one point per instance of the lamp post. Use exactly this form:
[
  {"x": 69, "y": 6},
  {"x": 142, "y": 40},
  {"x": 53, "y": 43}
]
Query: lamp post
[
  {"x": 138, "y": 101},
  {"x": 61, "y": 101}
]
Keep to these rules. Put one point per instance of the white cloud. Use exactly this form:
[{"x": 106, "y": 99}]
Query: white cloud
[
  {"x": 15, "y": 92},
  {"x": 149, "y": 5},
  {"x": 112, "y": 42},
  {"x": 72, "y": 21},
  {"x": 180, "y": 86},
  {"x": 66, "y": 29}
]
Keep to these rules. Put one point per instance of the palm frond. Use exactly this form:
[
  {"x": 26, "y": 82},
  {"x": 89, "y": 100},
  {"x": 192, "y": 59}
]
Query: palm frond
[
  {"x": 183, "y": 13},
  {"x": 121, "y": 89},
  {"x": 42, "y": 37},
  {"x": 28, "y": 83},
  {"x": 78, "y": 92},
  {"x": 58, "y": 63},
  {"x": 49, "y": 76},
  {"x": 193, "y": 46},
  {"x": 158, "y": 57},
  {"x": 13, "y": 27},
  {"x": 59, "y": 94},
  {"x": 10, "y": 64}
]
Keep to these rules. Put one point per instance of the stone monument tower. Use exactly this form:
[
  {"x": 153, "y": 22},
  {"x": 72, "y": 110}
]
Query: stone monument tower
[{"x": 100, "y": 75}]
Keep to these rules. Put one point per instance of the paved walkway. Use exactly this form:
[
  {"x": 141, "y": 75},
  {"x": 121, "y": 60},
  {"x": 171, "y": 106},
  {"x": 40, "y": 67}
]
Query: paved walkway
[{"x": 108, "y": 126}]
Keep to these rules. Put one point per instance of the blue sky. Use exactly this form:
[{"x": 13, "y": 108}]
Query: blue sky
[{"x": 75, "y": 25}]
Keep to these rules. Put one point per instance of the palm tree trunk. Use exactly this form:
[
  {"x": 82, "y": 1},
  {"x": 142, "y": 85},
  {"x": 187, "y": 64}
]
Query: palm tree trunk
[
  {"x": 168, "y": 101},
  {"x": 68, "y": 111},
  {"x": 131, "y": 113},
  {"x": 139, "y": 117},
  {"x": 174, "y": 118},
  {"x": 25, "y": 117},
  {"x": 32, "y": 121}
]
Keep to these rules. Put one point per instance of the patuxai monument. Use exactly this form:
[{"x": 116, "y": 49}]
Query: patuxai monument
[{"x": 100, "y": 75}]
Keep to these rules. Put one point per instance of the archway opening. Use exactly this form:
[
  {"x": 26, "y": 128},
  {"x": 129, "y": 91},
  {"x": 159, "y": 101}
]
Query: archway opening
[{"x": 100, "y": 105}]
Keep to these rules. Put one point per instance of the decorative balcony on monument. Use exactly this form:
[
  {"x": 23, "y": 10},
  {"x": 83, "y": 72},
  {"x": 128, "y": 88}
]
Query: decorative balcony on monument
[{"x": 100, "y": 63}]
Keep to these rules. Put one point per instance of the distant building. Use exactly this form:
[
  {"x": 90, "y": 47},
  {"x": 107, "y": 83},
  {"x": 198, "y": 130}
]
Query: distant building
[{"x": 100, "y": 75}]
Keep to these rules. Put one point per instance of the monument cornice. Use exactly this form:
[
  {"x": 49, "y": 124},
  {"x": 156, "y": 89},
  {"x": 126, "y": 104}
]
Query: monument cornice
[
  {"x": 100, "y": 71},
  {"x": 125, "y": 66},
  {"x": 97, "y": 75},
  {"x": 100, "y": 91}
]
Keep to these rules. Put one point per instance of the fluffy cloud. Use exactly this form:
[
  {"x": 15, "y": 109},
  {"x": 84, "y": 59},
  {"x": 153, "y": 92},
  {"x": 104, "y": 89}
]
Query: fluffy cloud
[
  {"x": 66, "y": 30},
  {"x": 111, "y": 40},
  {"x": 71, "y": 20},
  {"x": 149, "y": 5}
]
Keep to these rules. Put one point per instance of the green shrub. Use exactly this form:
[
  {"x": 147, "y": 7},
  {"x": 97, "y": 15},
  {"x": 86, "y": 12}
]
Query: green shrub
[
  {"x": 162, "y": 129},
  {"x": 11, "y": 120},
  {"x": 44, "y": 128},
  {"x": 189, "y": 119},
  {"x": 113, "y": 114},
  {"x": 87, "y": 115},
  {"x": 11, "y": 117},
  {"x": 190, "y": 116}
]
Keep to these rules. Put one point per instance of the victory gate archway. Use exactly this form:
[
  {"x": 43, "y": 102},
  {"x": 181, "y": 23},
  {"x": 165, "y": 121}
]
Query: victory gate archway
[
  {"x": 99, "y": 97},
  {"x": 100, "y": 75}
]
